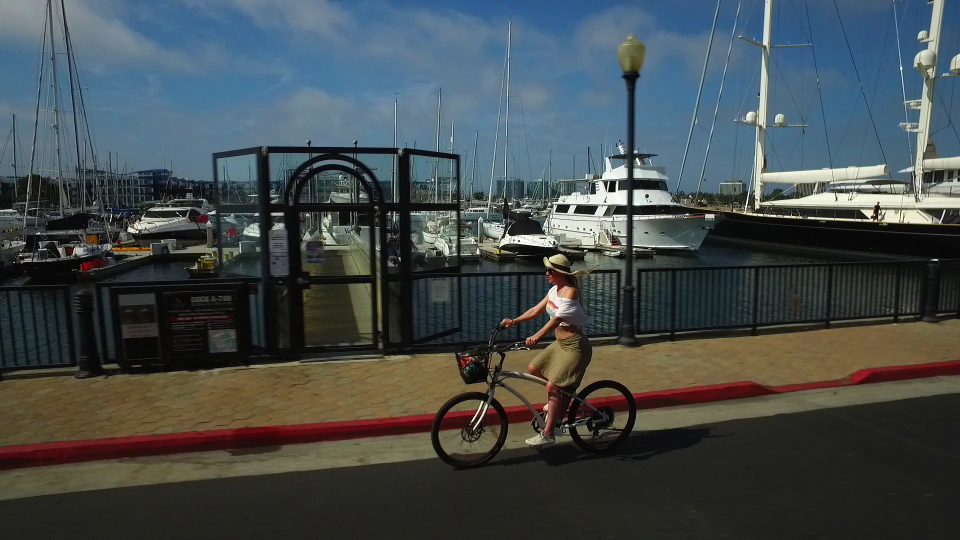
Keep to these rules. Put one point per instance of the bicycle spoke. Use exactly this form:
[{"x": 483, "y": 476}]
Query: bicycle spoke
[
  {"x": 606, "y": 419},
  {"x": 468, "y": 431}
]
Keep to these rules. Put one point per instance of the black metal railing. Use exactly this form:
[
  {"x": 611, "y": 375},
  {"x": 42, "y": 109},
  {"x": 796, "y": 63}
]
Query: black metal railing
[
  {"x": 464, "y": 308},
  {"x": 106, "y": 339},
  {"x": 691, "y": 299},
  {"x": 949, "y": 302},
  {"x": 37, "y": 327},
  {"x": 38, "y": 323}
]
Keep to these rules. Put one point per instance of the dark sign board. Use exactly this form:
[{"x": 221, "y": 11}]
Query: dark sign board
[
  {"x": 181, "y": 322},
  {"x": 200, "y": 323}
]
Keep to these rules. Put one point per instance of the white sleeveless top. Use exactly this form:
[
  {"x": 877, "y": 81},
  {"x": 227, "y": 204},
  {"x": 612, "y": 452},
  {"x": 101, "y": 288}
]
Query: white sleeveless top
[{"x": 571, "y": 312}]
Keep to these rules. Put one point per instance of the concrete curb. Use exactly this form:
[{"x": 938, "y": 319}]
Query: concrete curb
[{"x": 34, "y": 455}]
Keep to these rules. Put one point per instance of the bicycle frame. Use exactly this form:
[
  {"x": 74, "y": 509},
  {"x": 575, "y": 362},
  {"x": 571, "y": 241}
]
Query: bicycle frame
[{"x": 497, "y": 378}]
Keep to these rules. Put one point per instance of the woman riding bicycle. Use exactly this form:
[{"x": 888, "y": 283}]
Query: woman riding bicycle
[{"x": 564, "y": 361}]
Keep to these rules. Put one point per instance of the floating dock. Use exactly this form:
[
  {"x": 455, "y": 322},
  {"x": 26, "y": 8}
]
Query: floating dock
[
  {"x": 131, "y": 258},
  {"x": 573, "y": 254},
  {"x": 492, "y": 252},
  {"x": 621, "y": 252}
]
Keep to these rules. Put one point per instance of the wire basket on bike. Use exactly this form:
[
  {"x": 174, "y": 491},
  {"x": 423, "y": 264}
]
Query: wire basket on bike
[{"x": 473, "y": 365}]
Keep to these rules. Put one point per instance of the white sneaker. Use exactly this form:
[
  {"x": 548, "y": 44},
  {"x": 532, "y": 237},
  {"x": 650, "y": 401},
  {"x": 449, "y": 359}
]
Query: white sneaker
[{"x": 541, "y": 440}]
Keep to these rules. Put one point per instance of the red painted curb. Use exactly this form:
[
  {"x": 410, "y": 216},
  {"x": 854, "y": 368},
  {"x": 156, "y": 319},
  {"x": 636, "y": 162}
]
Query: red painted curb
[{"x": 33, "y": 455}]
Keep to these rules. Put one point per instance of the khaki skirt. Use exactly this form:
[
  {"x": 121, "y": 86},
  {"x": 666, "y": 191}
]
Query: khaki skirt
[{"x": 565, "y": 361}]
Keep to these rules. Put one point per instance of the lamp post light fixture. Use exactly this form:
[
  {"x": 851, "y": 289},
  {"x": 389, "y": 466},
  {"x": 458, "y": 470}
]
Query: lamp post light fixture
[{"x": 630, "y": 53}]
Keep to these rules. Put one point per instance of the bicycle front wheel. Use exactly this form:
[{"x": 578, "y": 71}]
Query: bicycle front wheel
[
  {"x": 467, "y": 432},
  {"x": 609, "y": 424}
]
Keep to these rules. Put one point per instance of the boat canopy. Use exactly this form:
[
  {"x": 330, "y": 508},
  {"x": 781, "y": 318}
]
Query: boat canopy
[
  {"x": 524, "y": 226},
  {"x": 70, "y": 223}
]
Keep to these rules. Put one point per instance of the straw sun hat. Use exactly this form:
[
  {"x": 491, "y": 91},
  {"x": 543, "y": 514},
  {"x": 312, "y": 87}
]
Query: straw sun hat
[{"x": 560, "y": 263}]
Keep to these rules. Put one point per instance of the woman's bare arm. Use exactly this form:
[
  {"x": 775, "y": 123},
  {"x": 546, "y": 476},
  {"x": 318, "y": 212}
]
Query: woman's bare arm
[
  {"x": 530, "y": 314},
  {"x": 551, "y": 325}
]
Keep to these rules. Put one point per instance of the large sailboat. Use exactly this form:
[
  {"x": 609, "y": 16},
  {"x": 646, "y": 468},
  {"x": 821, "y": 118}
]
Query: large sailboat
[
  {"x": 861, "y": 208},
  {"x": 658, "y": 222},
  {"x": 74, "y": 238}
]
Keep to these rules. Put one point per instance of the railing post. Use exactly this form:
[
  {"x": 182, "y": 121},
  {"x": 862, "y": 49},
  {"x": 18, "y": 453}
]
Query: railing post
[
  {"x": 89, "y": 363},
  {"x": 896, "y": 294},
  {"x": 829, "y": 301},
  {"x": 931, "y": 294},
  {"x": 519, "y": 304},
  {"x": 673, "y": 304},
  {"x": 756, "y": 300}
]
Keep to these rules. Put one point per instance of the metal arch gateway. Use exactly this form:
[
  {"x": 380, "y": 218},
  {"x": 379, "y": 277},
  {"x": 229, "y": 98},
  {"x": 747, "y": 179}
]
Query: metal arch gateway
[
  {"x": 313, "y": 287},
  {"x": 289, "y": 314},
  {"x": 298, "y": 179}
]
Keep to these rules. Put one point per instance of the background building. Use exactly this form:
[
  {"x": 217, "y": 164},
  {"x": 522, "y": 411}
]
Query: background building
[{"x": 512, "y": 189}]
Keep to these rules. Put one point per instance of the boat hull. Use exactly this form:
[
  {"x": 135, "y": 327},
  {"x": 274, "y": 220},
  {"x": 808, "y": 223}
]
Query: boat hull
[
  {"x": 184, "y": 237},
  {"x": 522, "y": 249},
  {"x": 915, "y": 240},
  {"x": 683, "y": 232},
  {"x": 56, "y": 267}
]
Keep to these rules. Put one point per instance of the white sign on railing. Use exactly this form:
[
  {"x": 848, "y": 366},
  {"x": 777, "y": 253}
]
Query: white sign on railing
[{"x": 279, "y": 254}]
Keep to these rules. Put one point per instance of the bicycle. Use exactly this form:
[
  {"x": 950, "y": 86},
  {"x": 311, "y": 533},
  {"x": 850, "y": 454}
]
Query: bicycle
[{"x": 599, "y": 418}]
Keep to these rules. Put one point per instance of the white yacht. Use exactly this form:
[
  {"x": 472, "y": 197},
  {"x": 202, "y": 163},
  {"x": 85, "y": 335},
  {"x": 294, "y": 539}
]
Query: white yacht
[
  {"x": 252, "y": 231},
  {"x": 526, "y": 238},
  {"x": 492, "y": 228},
  {"x": 11, "y": 224},
  {"x": 473, "y": 213},
  {"x": 658, "y": 222},
  {"x": 862, "y": 208},
  {"x": 469, "y": 250},
  {"x": 183, "y": 220}
]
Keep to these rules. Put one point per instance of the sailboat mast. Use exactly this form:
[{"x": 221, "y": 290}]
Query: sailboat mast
[
  {"x": 473, "y": 170},
  {"x": 760, "y": 154},
  {"x": 56, "y": 105},
  {"x": 36, "y": 125},
  {"x": 453, "y": 150},
  {"x": 929, "y": 73},
  {"x": 506, "y": 121},
  {"x": 549, "y": 175},
  {"x": 393, "y": 176},
  {"x": 73, "y": 105},
  {"x": 436, "y": 169},
  {"x": 16, "y": 183}
]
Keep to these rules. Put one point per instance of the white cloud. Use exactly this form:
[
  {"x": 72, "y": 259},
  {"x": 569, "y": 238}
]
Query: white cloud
[
  {"x": 102, "y": 39},
  {"x": 319, "y": 17},
  {"x": 597, "y": 37}
]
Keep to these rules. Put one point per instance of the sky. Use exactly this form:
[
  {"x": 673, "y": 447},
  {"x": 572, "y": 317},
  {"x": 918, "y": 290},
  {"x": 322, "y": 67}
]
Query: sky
[{"x": 170, "y": 82}]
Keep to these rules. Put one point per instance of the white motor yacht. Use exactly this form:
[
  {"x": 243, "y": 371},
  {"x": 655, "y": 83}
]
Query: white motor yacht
[
  {"x": 526, "y": 238},
  {"x": 252, "y": 231},
  {"x": 11, "y": 224},
  {"x": 658, "y": 222},
  {"x": 469, "y": 250},
  {"x": 183, "y": 220}
]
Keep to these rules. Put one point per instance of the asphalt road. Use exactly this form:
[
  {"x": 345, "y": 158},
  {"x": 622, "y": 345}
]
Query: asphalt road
[{"x": 884, "y": 470}]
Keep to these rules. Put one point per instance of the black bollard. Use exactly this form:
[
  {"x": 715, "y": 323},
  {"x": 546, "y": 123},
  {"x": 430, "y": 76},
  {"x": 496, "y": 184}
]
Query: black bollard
[
  {"x": 89, "y": 364},
  {"x": 931, "y": 293}
]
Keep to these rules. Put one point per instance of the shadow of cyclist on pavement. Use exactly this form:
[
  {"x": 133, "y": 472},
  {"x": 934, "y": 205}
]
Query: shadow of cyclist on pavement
[{"x": 638, "y": 447}]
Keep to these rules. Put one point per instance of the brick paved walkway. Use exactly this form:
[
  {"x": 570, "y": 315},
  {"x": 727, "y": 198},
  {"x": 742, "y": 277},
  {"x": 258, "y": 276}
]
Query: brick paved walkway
[{"x": 62, "y": 408}]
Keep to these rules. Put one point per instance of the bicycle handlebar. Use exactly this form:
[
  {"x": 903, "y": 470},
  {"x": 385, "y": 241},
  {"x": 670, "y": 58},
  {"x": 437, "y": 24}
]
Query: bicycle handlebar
[{"x": 518, "y": 346}]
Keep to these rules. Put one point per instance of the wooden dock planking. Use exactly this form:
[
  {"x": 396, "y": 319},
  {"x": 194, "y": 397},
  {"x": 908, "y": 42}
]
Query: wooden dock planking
[{"x": 494, "y": 253}]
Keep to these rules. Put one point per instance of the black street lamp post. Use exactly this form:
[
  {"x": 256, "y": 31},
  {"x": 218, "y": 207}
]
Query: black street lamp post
[{"x": 630, "y": 53}]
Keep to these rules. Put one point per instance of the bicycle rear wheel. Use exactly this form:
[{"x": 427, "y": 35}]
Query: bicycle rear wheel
[
  {"x": 467, "y": 432},
  {"x": 604, "y": 429}
]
